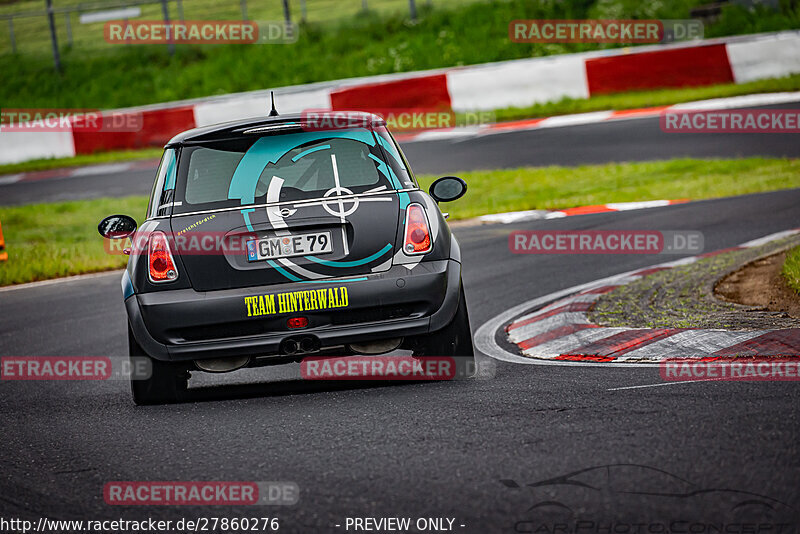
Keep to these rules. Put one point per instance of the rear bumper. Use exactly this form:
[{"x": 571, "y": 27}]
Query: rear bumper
[{"x": 186, "y": 325}]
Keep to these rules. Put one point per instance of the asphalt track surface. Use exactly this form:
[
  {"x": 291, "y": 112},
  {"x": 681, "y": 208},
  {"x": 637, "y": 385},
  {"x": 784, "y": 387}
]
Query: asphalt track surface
[
  {"x": 614, "y": 141},
  {"x": 424, "y": 450},
  {"x": 417, "y": 450}
]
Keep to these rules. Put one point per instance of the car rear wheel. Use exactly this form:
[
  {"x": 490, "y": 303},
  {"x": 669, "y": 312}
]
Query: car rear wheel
[
  {"x": 454, "y": 340},
  {"x": 166, "y": 384}
]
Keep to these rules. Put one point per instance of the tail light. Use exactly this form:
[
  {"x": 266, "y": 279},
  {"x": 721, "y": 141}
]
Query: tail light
[
  {"x": 159, "y": 259},
  {"x": 297, "y": 322},
  {"x": 418, "y": 236}
]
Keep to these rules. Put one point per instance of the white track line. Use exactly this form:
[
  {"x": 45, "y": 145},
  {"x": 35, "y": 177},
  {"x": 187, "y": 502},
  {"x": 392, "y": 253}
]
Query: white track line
[
  {"x": 101, "y": 169},
  {"x": 11, "y": 179},
  {"x": 76, "y": 278},
  {"x": 664, "y": 384}
]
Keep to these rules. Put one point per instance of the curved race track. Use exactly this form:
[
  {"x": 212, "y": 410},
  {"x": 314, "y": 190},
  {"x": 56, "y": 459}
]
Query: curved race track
[{"x": 413, "y": 450}]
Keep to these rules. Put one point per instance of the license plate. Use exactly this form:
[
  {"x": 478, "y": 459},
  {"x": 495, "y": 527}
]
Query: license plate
[{"x": 272, "y": 248}]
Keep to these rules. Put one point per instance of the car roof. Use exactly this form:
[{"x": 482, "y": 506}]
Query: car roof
[{"x": 227, "y": 130}]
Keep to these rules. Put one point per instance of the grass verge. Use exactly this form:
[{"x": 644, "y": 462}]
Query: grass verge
[
  {"x": 791, "y": 269},
  {"x": 99, "y": 75},
  {"x": 498, "y": 191},
  {"x": 683, "y": 297},
  {"x": 60, "y": 239},
  {"x": 81, "y": 160}
]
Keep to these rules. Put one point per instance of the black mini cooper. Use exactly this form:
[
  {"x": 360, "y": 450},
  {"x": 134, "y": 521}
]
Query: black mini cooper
[{"x": 269, "y": 240}]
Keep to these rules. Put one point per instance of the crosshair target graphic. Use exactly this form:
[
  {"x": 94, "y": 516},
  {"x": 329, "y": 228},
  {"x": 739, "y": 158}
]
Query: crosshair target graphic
[{"x": 340, "y": 202}]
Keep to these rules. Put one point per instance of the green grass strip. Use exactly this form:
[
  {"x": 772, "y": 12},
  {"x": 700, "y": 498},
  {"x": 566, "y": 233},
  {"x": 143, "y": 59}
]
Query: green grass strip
[{"x": 791, "y": 269}]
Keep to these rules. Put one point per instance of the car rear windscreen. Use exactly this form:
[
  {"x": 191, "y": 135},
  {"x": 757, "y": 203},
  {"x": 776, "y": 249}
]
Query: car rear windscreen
[{"x": 281, "y": 168}]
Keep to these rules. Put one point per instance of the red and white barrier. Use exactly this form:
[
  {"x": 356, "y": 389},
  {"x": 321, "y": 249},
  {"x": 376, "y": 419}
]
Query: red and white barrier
[
  {"x": 676, "y": 67},
  {"x": 25, "y": 146},
  {"x": 474, "y": 88},
  {"x": 772, "y": 56},
  {"x": 517, "y": 83},
  {"x": 429, "y": 92},
  {"x": 157, "y": 127}
]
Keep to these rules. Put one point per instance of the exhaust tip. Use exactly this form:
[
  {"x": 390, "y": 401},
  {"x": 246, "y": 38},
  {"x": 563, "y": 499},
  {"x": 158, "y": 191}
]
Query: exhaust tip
[
  {"x": 300, "y": 345},
  {"x": 289, "y": 346},
  {"x": 222, "y": 365},
  {"x": 308, "y": 344},
  {"x": 377, "y": 347}
]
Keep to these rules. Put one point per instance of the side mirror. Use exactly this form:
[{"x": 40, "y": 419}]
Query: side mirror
[
  {"x": 447, "y": 189},
  {"x": 117, "y": 227}
]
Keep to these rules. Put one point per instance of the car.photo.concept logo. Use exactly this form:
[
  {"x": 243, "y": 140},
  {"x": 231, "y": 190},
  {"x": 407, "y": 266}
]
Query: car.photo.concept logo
[{"x": 628, "y": 498}]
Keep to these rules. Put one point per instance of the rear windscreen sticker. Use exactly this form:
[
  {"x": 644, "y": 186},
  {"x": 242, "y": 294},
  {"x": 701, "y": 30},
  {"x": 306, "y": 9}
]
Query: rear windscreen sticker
[
  {"x": 169, "y": 182},
  {"x": 310, "y": 151},
  {"x": 196, "y": 224},
  {"x": 339, "y": 201},
  {"x": 354, "y": 263},
  {"x": 268, "y": 150}
]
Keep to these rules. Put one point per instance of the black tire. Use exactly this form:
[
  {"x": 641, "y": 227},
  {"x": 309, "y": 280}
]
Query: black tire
[
  {"x": 166, "y": 384},
  {"x": 454, "y": 340}
]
